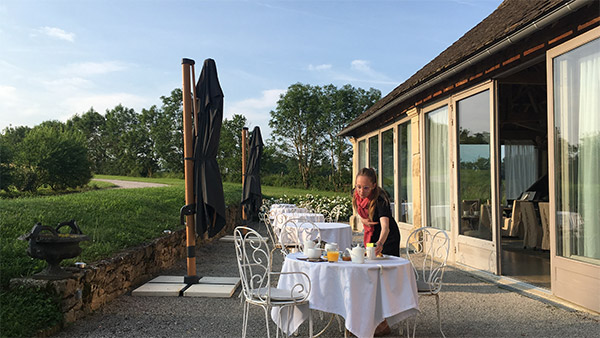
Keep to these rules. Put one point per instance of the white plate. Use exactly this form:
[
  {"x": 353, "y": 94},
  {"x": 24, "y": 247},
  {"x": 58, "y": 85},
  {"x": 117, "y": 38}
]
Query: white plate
[{"x": 378, "y": 258}]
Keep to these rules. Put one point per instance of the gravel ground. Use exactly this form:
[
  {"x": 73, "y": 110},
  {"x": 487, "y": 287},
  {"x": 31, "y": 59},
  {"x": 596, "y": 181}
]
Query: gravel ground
[
  {"x": 470, "y": 308},
  {"x": 131, "y": 184}
]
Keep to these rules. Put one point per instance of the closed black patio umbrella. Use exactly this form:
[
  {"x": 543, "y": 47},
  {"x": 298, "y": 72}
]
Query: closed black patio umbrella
[
  {"x": 251, "y": 194},
  {"x": 208, "y": 187}
]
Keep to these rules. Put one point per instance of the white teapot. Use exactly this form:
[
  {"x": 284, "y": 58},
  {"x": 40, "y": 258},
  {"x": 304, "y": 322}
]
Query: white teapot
[
  {"x": 357, "y": 254},
  {"x": 308, "y": 244}
]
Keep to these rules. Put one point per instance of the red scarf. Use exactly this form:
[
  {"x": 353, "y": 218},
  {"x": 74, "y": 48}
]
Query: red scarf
[{"x": 362, "y": 207}]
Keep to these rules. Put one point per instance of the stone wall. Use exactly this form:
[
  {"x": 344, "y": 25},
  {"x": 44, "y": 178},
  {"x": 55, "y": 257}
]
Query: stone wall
[{"x": 100, "y": 282}]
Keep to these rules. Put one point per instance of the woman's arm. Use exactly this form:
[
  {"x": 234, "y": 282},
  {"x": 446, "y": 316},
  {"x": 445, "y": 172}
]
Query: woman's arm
[
  {"x": 385, "y": 230},
  {"x": 366, "y": 222}
]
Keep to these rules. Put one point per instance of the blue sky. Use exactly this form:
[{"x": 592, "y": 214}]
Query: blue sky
[{"x": 59, "y": 58}]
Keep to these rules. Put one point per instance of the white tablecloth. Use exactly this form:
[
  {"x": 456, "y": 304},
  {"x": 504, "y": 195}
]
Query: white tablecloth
[
  {"x": 339, "y": 233},
  {"x": 282, "y": 205},
  {"x": 281, "y": 210},
  {"x": 308, "y": 216},
  {"x": 364, "y": 294}
]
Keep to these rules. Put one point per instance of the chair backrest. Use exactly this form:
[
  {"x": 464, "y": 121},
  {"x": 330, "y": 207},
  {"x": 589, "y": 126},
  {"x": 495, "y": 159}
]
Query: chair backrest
[
  {"x": 485, "y": 217},
  {"x": 288, "y": 236},
  {"x": 470, "y": 206},
  {"x": 307, "y": 231},
  {"x": 427, "y": 249},
  {"x": 270, "y": 231},
  {"x": 254, "y": 263},
  {"x": 334, "y": 214}
]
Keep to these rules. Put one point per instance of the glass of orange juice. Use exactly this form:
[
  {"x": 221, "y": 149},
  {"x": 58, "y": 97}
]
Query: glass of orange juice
[{"x": 333, "y": 256}]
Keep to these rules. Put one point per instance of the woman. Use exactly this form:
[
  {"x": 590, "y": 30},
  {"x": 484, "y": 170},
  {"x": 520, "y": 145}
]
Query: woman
[{"x": 373, "y": 206}]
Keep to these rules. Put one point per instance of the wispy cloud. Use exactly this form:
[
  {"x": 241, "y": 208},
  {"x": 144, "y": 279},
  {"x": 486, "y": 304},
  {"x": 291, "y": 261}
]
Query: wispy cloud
[
  {"x": 101, "y": 102},
  {"x": 57, "y": 33},
  {"x": 94, "y": 68},
  {"x": 256, "y": 110},
  {"x": 361, "y": 66},
  {"x": 360, "y": 71},
  {"x": 322, "y": 67}
]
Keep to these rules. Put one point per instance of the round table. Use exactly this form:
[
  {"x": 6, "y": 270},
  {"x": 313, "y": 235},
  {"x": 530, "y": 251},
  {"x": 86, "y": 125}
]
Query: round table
[
  {"x": 339, "y": 233},
  {"x": 363, "y": 294}
]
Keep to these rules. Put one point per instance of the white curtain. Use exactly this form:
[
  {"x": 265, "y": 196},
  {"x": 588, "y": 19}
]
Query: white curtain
[
  {"x": 408, "y": 172},
  {"x": 520, "y": 168},
  {"x": 438, "y": 169},
  {"x": 577, "y": 119},
  {"x": 589, "y": 152}
]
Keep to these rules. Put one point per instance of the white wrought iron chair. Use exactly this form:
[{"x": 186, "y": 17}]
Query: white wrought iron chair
[
  {"x": 255, "y": 263},
  {"x": 272, "y": 233},
  {"x": 334, "y": 214},
  {"x": 288, "y": 236},
  {"x": 427, "y": 250},
  {"x": 307, "y": 231}
]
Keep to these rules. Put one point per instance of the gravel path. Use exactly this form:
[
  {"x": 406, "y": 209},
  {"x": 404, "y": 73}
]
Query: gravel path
[
  {"x": 470, "y": 307},
  {"x": 120, "y": 184}
]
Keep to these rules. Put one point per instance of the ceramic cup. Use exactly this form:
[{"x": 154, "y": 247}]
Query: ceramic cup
[
  {"x": 313, "y": 253},
  {"x": 371, "y": 252}
]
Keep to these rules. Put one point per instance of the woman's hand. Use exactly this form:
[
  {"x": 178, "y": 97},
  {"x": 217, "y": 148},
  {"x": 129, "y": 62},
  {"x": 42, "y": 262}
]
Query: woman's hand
[
  {"x": 385, "y": 230},
  {"x": 378, "y": 248},
  {"x": 367, "y": 223}
]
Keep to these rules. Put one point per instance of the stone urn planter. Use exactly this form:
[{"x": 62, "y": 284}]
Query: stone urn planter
[{"x": 49, "y": 244}]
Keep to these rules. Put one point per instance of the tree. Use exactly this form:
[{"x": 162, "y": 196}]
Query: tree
[
  {"x": 91, "y": 124},
  {"x": 296, "y": 128},
  {"x": 340, "y": 106},
  {"x": 230, "y": 148},
  {"x": 166, "y": 132},
  {"x": 128, "y": 144},
  {"x": 55, "y": 156}
]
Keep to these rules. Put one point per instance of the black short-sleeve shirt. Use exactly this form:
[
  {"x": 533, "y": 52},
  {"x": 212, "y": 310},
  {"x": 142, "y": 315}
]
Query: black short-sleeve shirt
[{"x": 392, "y": 243}]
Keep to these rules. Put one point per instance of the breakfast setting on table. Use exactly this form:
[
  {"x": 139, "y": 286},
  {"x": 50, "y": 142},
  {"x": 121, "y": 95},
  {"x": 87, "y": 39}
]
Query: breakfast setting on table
[{"x": 363, "y": 284}]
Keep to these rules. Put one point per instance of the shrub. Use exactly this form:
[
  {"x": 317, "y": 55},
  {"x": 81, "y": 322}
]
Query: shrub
[
  {"x": 24, "y": 311},
  {"x": 57, "y": 157},
  {"x": 6, "y": 167}
]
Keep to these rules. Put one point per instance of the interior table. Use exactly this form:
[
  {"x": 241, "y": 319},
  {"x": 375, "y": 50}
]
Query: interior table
[{"x": 363, "y": 294}]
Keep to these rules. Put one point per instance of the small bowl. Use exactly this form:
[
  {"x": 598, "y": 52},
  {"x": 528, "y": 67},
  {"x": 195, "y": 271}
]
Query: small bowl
[{"x": 80, "y": 265}]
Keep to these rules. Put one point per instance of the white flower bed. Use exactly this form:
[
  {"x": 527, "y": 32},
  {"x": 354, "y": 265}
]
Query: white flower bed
[{"x": 338, "y": 208}]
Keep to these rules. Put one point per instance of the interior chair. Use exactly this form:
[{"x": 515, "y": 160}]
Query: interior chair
[
  {"x": 255, "y": 267},
  {"x": 484, "y": 229},
  {"x": 427, "y": 250},
  {"x": 532, "y": 229}
]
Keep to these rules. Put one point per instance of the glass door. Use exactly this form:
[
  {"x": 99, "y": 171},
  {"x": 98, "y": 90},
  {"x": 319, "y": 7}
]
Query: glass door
[
  {"x": 474, "y": 201},
  {"x": 574, "y": 148}
]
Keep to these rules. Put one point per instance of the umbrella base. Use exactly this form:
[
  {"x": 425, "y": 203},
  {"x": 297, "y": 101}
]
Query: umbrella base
[{"x": 191, "y": 279}]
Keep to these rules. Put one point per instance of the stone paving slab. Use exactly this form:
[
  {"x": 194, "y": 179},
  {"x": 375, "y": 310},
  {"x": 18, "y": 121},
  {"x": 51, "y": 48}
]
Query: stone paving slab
[
  {"x": 159, "y": 289},
  {"x": 210, "y": 290}
]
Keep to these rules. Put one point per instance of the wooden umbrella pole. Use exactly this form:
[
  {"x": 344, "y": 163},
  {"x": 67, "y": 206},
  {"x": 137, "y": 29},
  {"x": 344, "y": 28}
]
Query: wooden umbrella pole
[
  {"x": 244, "y": 142},
  {"x": 188, "y": 154}
]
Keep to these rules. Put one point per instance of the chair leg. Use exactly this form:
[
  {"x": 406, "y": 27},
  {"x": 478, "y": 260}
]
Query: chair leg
[
  {"x": 310, "y": 323},
  {"x": 267, "y": 323},
  {"x": 437, "y": 301},
  {"x": 245, "y": 319},
  {"x": 339, "y": 322}
]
